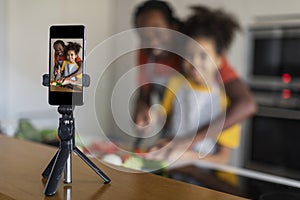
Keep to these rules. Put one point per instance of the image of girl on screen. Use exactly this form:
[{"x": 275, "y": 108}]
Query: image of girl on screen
[
  {"x": 70, "y": 71},
  {"x": 59, "y": 47}
]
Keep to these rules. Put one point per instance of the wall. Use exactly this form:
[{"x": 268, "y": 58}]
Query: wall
[
  {"x": 3, "y": 69},
  {"x": 24, "y": 46},
  {"x": 245, "y": 11},
  {"x": 26, "y": 34}
]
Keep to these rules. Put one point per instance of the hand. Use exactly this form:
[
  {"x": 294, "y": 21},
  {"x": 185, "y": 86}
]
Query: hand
[
  {"x": 161, "y": 150},
  {"x": 169, "y": 150},
  {"x": 67, "y": 81},
  {"x": 150, "y": 120},
  {"x": 142, "y": 116},
  {"x": 61, "y": 80},
  {"x": 56, "y": 71},
  {"x": 160, "y": 144}
]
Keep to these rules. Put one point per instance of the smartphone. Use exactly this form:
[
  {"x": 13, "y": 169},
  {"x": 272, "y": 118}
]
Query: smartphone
[{"x": 66, "y": 64}]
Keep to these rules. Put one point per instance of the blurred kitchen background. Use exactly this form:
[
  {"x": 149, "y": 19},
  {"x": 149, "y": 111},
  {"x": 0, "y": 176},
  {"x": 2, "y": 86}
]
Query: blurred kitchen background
[{"x": 266, "y": 54}]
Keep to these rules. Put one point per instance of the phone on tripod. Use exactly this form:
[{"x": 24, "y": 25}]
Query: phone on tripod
[{"x": 66, "y": 64}]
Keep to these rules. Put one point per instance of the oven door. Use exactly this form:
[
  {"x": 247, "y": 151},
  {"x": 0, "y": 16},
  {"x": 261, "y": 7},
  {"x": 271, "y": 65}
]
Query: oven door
[{"x": 273, "y": 142}]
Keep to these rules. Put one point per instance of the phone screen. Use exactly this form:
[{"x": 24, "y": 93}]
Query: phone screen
[{"x": 66, "y": 64}]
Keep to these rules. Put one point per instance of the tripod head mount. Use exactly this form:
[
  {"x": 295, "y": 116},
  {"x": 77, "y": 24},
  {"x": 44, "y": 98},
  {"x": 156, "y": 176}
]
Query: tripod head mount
[
  {"x": 66, "y": 91},
  {"x": 66, "y": 122},
  {"x": 65, "y": 109}
]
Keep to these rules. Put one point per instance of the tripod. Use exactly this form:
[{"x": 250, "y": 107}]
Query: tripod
[{"x": 62, "y": 158}]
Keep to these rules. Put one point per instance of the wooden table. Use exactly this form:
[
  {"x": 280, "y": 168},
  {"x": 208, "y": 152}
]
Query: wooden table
[{"x": 22, "y": 162}]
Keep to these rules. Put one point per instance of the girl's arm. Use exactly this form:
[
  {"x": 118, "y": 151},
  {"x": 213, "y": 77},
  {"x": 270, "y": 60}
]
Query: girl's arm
[{"x": 242, "y": 105}]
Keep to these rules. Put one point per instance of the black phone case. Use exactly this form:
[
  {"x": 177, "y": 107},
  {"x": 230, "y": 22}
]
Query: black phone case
[{"x": 70, "y": 94}]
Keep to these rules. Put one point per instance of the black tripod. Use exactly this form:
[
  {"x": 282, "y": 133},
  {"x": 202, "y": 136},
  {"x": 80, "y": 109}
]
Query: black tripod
[{"x": 62, "y": 159}]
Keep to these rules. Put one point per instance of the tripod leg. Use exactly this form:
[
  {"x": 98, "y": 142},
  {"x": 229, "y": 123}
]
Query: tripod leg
[
  {"x": 68, "y": 170},
  {"x": 47, "y": 171},
  {"x": 56, "y": 172},
  {"x": 92, "y": 165}
]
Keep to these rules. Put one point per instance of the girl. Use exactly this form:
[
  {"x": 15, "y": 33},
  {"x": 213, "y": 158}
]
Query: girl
[
  {"x": 159, "y": 14},
  {"x": 199, "y": 97},
  {"x": 71, "y": 70}
]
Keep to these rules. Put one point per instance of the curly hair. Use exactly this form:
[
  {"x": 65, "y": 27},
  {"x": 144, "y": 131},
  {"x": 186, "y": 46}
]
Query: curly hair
[
  {"x": 59, "y": 42},
  {"x": 74, "y": 46},
  {"x": 214, "y": 24},
  {"x": 161, "y": 6}
]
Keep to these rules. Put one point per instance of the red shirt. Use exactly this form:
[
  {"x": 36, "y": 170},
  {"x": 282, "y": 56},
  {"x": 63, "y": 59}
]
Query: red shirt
[
  {"x": 174, "y": 62},
  {"x": 226, "y": 72}
]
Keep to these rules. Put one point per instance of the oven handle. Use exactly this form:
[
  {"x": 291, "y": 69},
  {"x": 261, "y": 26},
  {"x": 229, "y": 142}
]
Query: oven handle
[{"x": 278, "y": 112}]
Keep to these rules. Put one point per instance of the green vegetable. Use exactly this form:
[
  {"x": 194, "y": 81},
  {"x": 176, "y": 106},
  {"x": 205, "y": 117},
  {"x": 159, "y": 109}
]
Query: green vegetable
[
  {"x": 134, "y": 162},
  {"x": 139, "y": 163},
  {"x": 27, "y": 131}
]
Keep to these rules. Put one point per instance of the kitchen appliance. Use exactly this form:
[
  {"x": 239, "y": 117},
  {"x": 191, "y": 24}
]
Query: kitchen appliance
[
  {"x": 274, "y": 54},
  {"x": 273, "y": 142},
  {"x": 273, "y": 134}
]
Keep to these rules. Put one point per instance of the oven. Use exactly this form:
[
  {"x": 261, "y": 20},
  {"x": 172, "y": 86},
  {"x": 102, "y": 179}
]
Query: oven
[
  {"x": 273, "y": 142},
  {"x": 272, "y": 136}
]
